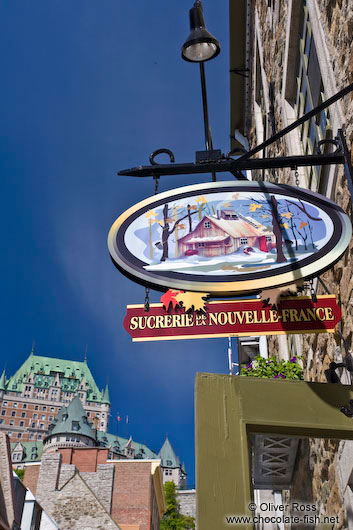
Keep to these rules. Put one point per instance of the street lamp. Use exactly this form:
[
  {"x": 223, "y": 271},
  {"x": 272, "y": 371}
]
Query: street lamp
[{"x": 201, "y": 46}]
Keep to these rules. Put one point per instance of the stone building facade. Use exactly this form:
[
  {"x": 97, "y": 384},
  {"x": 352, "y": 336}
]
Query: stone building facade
[
  {"x": 288, "y": 56},
  {"x": 83, "y": 488}
]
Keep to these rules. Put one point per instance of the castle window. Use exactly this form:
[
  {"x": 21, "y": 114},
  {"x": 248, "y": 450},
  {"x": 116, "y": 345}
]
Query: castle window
[
  {"x": 24, "y": 405},
  {"x": 169, "y": 462},
  {"x": 52, "y": 409},
  {"x": 3, "y": 412},
  {"x": 75, "y": 426},
  {"x": 243, "y": 240},
  {"x": 13, "y": 413},
  {"x": 5, "y": 404},
  {"x": 51, "y": 418},
  {"x": 207, "y": 224},
  {"x": 23, "y": 414},
  {"x": 35, "y": 416},
  {"x": 201, "y": 244},
  {"x": 36, "y": 407},
  {"x": 44, "y": 408},
  {"x": 33, "y": 425},
  {"x": 22, "y": 423},
  {"x": 67, "y": 438},
  {"x": 19, "y": 435},
  {"x": 1, "y": 421},
  {"x": 9, "y": 434},
  {"x": 58, "y": 438},
  {"x": 31, "y": 436},
  {"x": 11, "y": 422},
  {"x": 39, "y": 436},
  {"x": 42, "y": 417},
  {"x": 41, "y": 425},
  {"x": 15, "y": 405}
]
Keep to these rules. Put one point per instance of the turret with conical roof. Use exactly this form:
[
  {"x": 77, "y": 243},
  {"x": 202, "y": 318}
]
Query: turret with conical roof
[
  {"x": 167, "y": 455},
  {"x": 3, "y": 380},
  {"x": 71, "y": 428},
  {"x": 105, "y": 398},
  {"x": 170, "y": 464}
]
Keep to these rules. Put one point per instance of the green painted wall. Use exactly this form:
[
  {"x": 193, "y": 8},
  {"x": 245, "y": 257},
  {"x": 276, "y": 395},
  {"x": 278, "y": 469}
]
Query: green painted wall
[{"x": 228, "y": 409}]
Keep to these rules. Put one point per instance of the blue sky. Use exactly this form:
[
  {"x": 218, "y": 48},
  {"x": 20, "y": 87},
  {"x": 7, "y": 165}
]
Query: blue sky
[{"x": 89, "y": 88}]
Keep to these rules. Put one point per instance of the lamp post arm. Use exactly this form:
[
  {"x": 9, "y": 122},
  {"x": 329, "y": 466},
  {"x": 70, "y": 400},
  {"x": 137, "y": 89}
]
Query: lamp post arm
[{"x": 208, "y": 135}]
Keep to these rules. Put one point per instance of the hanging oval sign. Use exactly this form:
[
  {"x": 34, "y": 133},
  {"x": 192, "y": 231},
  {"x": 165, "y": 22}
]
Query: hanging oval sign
[{"x": 229, "y": 237}]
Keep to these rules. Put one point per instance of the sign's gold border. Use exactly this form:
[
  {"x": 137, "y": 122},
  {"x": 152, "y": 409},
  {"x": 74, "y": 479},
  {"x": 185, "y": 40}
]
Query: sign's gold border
[
  {"x": 157, "y": 304},
  {"x": 227, "y": 288},
  {"x": 178, "y": 337}
]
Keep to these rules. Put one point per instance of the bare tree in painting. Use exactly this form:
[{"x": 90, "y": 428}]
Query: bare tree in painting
[{"x": 167, "y": 231}]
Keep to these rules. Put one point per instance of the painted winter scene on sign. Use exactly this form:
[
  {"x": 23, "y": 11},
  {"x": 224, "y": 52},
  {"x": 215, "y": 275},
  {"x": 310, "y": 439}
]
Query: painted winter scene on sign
[{"x": 228, "y": 233}]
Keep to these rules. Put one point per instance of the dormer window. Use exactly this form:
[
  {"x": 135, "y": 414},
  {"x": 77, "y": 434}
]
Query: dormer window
[
  {"x": 75, "y": 426},
  {"x": 207, "y": 224},
  {"x": 169, "y": 463}
]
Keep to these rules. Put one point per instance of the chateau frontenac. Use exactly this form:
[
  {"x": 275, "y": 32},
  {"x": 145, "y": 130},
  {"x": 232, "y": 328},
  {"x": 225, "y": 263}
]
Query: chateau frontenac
[{"x": 32, "y": 397}]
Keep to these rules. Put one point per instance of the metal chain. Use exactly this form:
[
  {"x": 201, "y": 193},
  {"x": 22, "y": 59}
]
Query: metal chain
[
  {"x": 147, "y": 299},
  {"x": 156, "y": 182},
  {"x": 296, "y": 174},
  {"x": 312, "y": 292}
]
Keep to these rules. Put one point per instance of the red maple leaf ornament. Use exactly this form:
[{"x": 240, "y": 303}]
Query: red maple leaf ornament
[{"x": 170, "y": 298}]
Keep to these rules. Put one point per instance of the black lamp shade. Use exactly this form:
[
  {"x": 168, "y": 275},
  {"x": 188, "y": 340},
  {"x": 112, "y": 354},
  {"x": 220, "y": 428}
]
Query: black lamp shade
[{"x": 200, "y": 46}]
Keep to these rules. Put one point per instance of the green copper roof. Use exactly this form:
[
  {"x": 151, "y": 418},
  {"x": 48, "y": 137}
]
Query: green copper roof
[
  {"x": 32, "y": 451},
  {"x": 167, "y": 455},
  {"x": 44, "y": 370},
  {"x": 72, "y": 420},
  {"x": 105, "y": 398},
  {"x": 113, "y": 441},
  {"x": 3, "y": 381}
]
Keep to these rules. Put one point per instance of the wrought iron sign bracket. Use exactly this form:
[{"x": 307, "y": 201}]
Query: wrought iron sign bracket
[{"x": 213, "y": 161}]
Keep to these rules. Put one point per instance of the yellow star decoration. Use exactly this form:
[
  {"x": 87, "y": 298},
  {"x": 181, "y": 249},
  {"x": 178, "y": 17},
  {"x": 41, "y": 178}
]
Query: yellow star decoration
[
  {"x": 285, "y": 225},
  {"x": 253, "y": 207},
  {"x": 150, "y": 213},
  {"x": 159, "y": 222},
  {"x": 191, "y": 300},
  {"x": 264, "y": 216},
  {"x": 302, "y": 224},
  {"x": 288, "y": 215},
  {"x": 201, "y": 199}
]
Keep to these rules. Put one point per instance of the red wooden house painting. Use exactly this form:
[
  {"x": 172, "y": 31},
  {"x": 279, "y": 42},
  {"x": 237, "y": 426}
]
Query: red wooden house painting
[{"x": 224, "y": 234}]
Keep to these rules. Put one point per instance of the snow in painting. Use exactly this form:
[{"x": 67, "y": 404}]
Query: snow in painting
[{"x": 228, "y": 233}]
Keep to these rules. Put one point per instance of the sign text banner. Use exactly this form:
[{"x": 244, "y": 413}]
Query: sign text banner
[{"x": 234, "y": 318}]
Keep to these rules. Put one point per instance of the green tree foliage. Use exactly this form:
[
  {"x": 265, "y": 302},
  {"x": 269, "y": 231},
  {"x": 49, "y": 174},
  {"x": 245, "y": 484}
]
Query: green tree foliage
[
  {"x": 173, "y": 519},
  {"x": 20, "y": 473}
]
